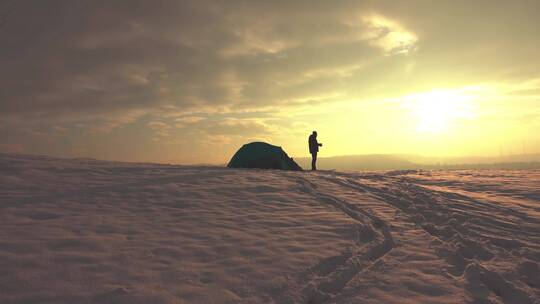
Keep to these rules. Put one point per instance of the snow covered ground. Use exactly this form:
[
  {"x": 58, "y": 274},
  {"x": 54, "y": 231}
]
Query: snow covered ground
[{"x": 87, "y": 231}]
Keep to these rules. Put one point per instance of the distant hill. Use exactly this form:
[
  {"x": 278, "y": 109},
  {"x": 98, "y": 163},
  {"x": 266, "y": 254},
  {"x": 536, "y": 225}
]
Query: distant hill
[
  {"x": 415, "y": 162},
  {"x": 525, "y": 158},
  {"x": 359, "y": 162}
]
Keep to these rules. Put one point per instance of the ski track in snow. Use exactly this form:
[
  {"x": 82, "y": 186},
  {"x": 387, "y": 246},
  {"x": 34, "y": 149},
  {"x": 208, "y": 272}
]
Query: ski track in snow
[
  {"x": 87, "y": 231},
  {"x": 461, "y": 237}
]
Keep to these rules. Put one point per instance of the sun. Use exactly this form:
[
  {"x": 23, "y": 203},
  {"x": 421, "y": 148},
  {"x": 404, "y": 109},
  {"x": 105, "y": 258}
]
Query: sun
[{"x": 438, "y": 111}]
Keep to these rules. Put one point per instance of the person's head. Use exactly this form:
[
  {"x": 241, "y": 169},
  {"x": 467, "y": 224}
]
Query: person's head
[{"x": 314, "y": 133}]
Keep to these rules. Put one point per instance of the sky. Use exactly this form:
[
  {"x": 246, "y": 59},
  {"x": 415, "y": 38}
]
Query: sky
[{"x": 192, "y": 81}]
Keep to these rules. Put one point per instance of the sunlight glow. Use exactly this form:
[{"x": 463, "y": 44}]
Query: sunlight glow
[{"x": 437, "y": 111}]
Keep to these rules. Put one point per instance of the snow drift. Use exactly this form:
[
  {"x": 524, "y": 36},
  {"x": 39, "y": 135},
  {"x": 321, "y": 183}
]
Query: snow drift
[{"x": 87, "y": 231}]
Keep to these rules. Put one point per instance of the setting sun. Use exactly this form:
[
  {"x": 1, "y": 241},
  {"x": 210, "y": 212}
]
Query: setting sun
[{"x": 437, "y": 111}]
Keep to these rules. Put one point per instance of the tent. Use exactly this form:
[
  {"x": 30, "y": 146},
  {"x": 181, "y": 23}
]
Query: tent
[{"x": 264, "y": 156}]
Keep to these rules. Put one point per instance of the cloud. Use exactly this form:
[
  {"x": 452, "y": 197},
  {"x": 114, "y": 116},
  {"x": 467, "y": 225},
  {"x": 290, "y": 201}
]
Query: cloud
[
  {"x": 187, "y": 120},
  {"x": 188, "y": 56},
  {"x": 157, "y": 125},
  {"x": 389, "y": 35}
]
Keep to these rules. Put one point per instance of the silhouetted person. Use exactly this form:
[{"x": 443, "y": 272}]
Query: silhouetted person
[{"x": 313, "y": 149}]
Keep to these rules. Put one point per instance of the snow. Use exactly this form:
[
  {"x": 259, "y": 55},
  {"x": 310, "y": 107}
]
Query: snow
[{"x": 88, "y": 231}]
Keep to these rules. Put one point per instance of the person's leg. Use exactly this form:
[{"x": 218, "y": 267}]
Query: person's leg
[{"x": 314, "y": 161}]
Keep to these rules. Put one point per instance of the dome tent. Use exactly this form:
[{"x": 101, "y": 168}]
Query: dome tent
[{"x": 264, "y": 156}]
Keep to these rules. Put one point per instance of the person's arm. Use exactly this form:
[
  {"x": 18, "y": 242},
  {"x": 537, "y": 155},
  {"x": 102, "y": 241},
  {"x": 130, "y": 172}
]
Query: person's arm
[{"x": 320, "y": 145}]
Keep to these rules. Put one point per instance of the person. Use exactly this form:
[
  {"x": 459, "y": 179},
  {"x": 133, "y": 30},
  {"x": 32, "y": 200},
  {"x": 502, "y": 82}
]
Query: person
[{"x": 314, "y": 149}]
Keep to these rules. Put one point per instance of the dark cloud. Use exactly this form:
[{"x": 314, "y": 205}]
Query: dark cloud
[{"x": 92, "y": 58}]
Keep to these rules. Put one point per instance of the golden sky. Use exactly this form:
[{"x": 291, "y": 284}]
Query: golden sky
[{"x": 191, "y": 81}]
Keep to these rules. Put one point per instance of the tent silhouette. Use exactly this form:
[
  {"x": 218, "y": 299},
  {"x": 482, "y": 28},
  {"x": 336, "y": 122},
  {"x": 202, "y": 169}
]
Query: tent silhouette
[{"x": 264, "y": 156}]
